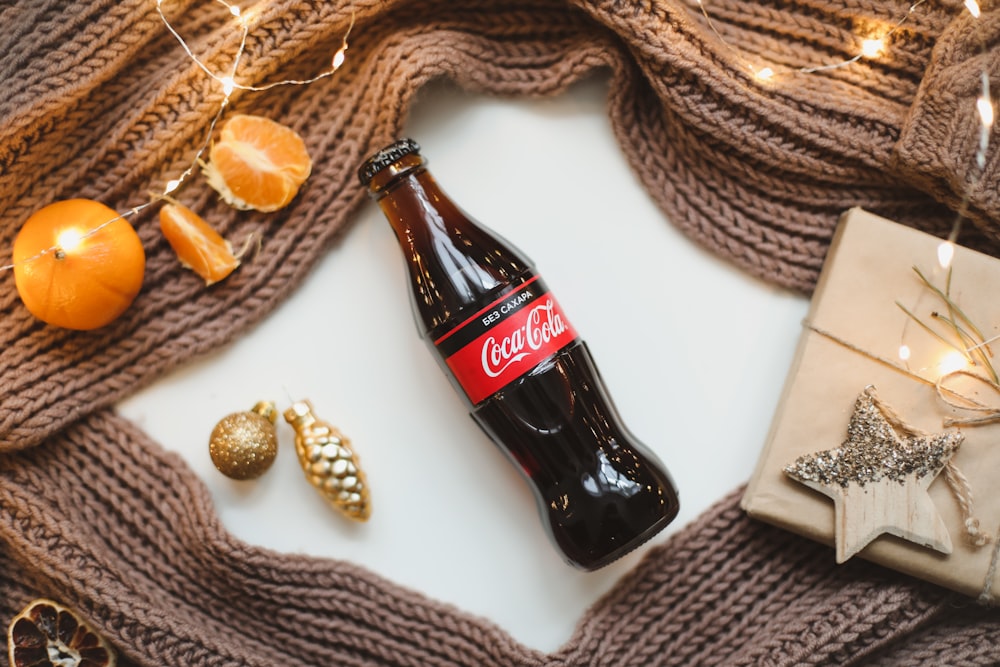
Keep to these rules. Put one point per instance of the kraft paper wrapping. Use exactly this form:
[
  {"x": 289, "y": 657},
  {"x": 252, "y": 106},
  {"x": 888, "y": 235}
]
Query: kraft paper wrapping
[{"x": 869, "y": 268}]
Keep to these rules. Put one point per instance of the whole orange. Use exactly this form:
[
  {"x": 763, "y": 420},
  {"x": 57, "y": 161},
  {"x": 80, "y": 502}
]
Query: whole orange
[{"x": 77, "y": 264}]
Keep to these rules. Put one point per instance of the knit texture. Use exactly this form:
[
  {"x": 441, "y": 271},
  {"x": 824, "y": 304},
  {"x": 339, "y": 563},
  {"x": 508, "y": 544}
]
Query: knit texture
[
  {"x": 142, "y": 553},
  {"x": 101, "y": 102}
]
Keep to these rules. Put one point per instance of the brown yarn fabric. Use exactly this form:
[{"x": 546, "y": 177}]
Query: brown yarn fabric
[
  {"x": 101, "y": 102},
  {"x": 142, "y": 553}
]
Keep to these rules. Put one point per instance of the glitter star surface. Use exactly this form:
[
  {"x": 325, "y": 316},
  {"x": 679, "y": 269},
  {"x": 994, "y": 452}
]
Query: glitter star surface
[{"x": 878, "y": 481}]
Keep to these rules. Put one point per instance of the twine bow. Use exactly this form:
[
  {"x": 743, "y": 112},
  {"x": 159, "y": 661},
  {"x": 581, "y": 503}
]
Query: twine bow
[
  {"x": 960, "y": 401},
  {"x": 957, "y": 481},
  {"x": 986, "y": 415}
]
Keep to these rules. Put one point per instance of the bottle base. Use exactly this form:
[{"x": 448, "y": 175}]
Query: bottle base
[
  {"x": 600, "y": 492},
  {"x": 630, "y": 546}
]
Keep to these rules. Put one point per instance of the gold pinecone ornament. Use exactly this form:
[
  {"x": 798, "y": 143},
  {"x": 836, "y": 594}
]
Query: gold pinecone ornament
[{"x": 329, "y": 463}]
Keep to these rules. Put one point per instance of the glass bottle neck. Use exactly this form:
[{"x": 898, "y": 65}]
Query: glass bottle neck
[
  {"x": 413, "y": 197},
  {"x": 454, "y": 263},
  {"x": 387, "y": 178}
]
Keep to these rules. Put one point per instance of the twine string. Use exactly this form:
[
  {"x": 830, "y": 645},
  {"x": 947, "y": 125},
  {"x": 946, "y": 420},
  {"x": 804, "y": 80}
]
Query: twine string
[
  {"x": 958, "y": 483},
  {"x": 988, "y": 414},
  {"x": 986, "y": 595},
  {"x": 962, "y": 490},
  {"x": 894, "y": 418}
]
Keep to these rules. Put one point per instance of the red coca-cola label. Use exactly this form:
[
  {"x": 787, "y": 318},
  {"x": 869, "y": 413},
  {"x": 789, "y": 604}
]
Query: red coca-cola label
[{"x": 505, "y": 340}]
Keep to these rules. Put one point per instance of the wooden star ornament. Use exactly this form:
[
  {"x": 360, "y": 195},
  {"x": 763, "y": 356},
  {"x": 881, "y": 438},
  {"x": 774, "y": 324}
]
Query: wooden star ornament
[{"x": 878, "y": 480}]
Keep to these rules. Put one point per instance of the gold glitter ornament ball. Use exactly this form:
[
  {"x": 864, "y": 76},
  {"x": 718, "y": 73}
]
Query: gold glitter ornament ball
[{"x": 243, "y": 445}]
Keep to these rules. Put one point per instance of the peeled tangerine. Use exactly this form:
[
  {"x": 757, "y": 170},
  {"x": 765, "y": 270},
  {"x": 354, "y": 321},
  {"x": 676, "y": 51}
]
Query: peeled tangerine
[
  {"x": 257, "y": 163},
  {"x": 198, "y": 246},
  {"x": 46, "y": 634},
  {"x": 78, "y": 264}
]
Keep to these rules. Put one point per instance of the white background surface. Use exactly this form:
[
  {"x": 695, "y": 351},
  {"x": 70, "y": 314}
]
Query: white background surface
[{"x": 694, "y": 351}]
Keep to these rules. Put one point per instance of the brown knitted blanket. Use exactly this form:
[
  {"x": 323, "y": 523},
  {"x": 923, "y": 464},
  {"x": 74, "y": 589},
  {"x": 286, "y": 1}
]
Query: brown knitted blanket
[{"x": 99, "y": 101}]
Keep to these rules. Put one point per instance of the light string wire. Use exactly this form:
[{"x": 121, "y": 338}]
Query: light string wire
[
  {"x": 228, "y": 85},
  {"x": 987, "y": 113},
  {"x": 872, "y": 48}
]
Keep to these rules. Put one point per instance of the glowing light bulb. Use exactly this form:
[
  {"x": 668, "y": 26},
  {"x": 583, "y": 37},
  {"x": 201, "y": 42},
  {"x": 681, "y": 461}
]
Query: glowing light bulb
[
  {"x": 985, "y": 108},
  {"x": 172, "y": 185},
  {"x": 904, "y": 352},
  {"x": 68, "y": 240},
  {"x": 946, "y": 253},
  {"x": 234, "y": 10},
  {"x": 338, "y": 57},
  {"x": 973, "y": 8},
  {"x": 872, "y": 48},
  {"x": 227, "y": 85},
  {"x": 764, "y": 74},
  {"x": 951, "y": 362}
]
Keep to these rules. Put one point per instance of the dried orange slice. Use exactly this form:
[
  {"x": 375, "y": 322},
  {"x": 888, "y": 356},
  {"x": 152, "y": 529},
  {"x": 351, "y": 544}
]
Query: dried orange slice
[
  {"x": 257, "y": 163},
  {"x": 198, "y": 246},
  {"x": 46, "y": 634},
  {"x": 77, "y": 264}
]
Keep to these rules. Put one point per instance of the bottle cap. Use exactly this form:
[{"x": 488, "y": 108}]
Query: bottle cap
[{"x": 385, "y": 157}]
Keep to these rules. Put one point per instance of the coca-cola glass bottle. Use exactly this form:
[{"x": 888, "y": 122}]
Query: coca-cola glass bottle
[{"x": 528, "y": 379}]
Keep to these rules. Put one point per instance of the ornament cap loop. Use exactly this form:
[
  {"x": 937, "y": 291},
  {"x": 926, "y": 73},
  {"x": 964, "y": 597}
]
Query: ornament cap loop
[
  {"x": 300, "y": 414},
  {"x": 266, "y": 409}
]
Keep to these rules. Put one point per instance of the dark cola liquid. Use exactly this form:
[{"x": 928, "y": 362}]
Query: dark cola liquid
[
  {"x": 598, "y": 492},
  {"x": 527, "y": 377}
]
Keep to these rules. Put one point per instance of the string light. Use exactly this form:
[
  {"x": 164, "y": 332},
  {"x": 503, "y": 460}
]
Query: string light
[
  {"x": 69, "y": 240},
  {"x": 872, "y": 48},
  {"x": 228, "y": 84},
  {"x": 245, "y": 22},
  {"x": 341, "y": 53},
  {"x": 984, "y": 105},
  {"x": 765, "y": 74},
  {"x": 985, "y": 108},
  {"x": 945, "y": 253},
  {"x": 952, "y": 361},
  {"x": 986, "y": 111},
  {"x": 904, "y": 352}
]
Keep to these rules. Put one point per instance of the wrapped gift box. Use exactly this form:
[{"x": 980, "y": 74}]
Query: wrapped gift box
[{"x": 852, "y": 338}]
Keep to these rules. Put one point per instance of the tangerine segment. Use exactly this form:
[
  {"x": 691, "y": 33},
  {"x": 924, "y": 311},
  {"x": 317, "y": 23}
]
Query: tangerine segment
[
  {"x": 198, "y": 246},
  {"x": 257, "y": 163},
  {"x": 77, "y": 264}
]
